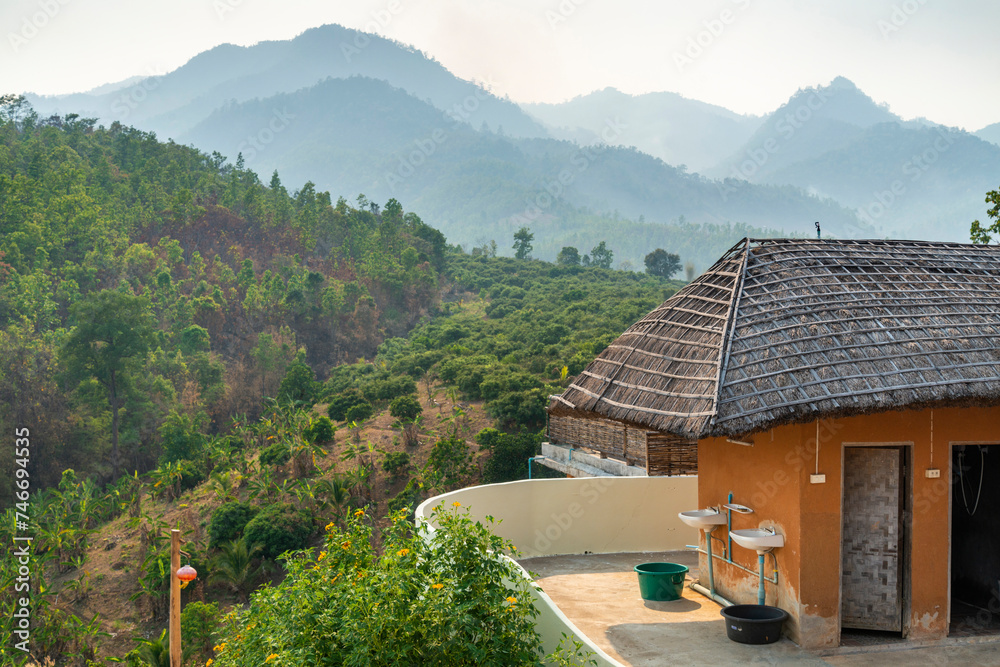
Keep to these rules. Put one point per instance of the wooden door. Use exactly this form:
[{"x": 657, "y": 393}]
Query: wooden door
[{"x": 871, "y": 560}]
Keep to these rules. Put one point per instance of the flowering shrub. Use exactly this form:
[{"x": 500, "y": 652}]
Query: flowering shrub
[{"x": 449, "y": 600}]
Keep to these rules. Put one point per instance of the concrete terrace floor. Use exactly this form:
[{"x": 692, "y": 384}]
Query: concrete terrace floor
[{"x": 600, "y": 594}]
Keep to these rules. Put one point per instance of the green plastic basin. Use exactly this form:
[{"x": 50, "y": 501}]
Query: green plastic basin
[{"x": 661, "y": 582}]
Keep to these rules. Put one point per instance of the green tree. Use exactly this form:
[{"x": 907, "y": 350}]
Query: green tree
[
  {"x": 601, "y": 256},
  {"x": 112, "y": 330},
  {"x": 299, "y": 383},
  {"x": 199, "y": 624},
  {"x": 181, "y": 437},
  {"x": 568, "y": 256},
  {"x": 982, "y": 234},
  {"x": 509, "y": 453},
  {"x": 407, "y": 410},
  {"x": 522, "y": 243},
  {"x": 662, "y": 263},
  {"x": 272, "y": 354}
]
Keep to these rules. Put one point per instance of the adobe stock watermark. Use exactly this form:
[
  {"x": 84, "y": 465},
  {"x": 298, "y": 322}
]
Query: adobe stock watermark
[
  {"x": 425, "y": 147},
  {"x": 562, "y": 522},
  {"x": 712, "y": 29},
  {"x": 35, "y": 22},
  {"x": 256, "y": 144},
  {"x": 224, "y": 7},
  {"x": 381, "y": 19},
  {"x": 563, "y": 11},
  {"x": 21, "y": 623},
  {"x": 914, "y": 168},
  {"x": 899, "y": 17},
  {"x": 798, "y": 459},
  {"x": 580, "y": 161},
  {"x": 129, "y": 99},
  {"x": 785, "y": 127}
]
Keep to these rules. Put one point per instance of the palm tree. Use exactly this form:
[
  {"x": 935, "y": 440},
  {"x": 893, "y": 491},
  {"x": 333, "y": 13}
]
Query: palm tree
[
  {"x": 156, "y": 653},
  {"x": 233, "y": 567}
]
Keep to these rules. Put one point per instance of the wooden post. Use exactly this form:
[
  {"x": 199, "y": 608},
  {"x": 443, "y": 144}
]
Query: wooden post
[{"x": 175, "y": 599}]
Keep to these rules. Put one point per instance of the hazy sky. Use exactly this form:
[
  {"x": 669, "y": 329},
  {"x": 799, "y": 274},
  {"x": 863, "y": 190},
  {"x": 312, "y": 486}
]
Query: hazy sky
[{"x": 926, "y": 58}]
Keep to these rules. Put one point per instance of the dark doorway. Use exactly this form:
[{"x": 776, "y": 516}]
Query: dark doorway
[
  {"x": 873, "y": 550},
  {"x": 975, "y": 540}
]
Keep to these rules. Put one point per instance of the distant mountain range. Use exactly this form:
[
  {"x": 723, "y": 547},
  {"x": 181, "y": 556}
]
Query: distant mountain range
[
  {"x": 356, "y": 113},
  {"x": 675, "y": 129},
  {"x": 912, "y": 179},
  {"x": 172, "y": 104}
]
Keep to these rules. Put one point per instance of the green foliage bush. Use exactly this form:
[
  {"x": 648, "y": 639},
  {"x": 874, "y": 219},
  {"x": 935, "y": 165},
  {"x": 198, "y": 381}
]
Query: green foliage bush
[
  {"x": 396, "y": 463},
  {"x": 526, "y": 408},
  {"x": 228, "y": 522},
  {"x": 359, "y": 413},
  {"x": 508, "y": 454},
  {"x": 449, "y": 462},
  {"x": 405, "y": 408},
  {"x": 344, "y": 401},
  {"x": 416, "y": 365},
  {"x": 388, "y": 388},
  {"x": 450, "y": 600},
  {"x": 277, "y": 454},
  {"x": 192, "y": 474},
  {"x": 321, "y": 430},
  {"x": 279, "y": 528}
]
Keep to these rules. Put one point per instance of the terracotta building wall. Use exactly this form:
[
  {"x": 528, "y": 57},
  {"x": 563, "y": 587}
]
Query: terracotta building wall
[
  {"x": 760, "y": 478},
  {"x": 773, "y": 479}
]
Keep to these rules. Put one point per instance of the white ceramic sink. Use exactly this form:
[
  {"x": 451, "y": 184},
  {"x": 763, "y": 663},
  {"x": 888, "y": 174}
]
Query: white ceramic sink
[
  {"x": 758, "y": 539},
  {"x": 704, "y": 519}
]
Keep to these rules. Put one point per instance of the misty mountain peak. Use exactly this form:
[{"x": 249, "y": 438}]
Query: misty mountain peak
[
  {"x": 843, "y": 83},
  {"x": 840, "y": 101}
]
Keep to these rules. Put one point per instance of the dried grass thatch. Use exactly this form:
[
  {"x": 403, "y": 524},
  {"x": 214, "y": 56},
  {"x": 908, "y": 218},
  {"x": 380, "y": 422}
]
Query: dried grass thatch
[{"x": 786, "y": 330}]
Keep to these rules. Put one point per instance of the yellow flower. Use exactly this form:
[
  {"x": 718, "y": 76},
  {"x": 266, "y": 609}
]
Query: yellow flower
[
  {"x": 359, "y": 512},
  {"x": 209, "y": 663},
  {"x": 403, "y": 552},
  {"x": 329, "y": 525},
  {"x": 271, "y": 657},
  {"x": 456, "y": 504},
  {"x": 322, "y": 555},
  {"x": 512, "y": 600},
  {"x": 438, "y": 586},
  {"x": 346, "y": 545}
]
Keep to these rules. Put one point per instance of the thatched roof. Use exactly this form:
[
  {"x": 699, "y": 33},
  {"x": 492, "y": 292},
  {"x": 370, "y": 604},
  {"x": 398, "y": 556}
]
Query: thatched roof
[{"x": 798, "y": 329}]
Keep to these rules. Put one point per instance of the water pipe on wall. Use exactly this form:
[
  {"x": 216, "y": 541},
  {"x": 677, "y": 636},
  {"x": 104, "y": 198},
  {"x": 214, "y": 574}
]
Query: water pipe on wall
[
  {"x": 530, "y": 459},
  {"x": 760, "y": 588}
]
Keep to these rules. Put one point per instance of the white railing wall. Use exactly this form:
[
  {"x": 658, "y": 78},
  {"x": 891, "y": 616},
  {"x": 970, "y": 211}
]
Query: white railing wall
[{"x": 549, "y": 517}]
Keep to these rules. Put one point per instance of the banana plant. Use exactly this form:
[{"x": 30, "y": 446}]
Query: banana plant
[
  {"x": 225, "y": 484},
  {"x": 262, "y": 485}
]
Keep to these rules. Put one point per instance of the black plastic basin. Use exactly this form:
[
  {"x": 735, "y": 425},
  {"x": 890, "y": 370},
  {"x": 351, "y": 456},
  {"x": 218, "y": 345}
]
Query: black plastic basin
[{"x": 754, "y": 623}]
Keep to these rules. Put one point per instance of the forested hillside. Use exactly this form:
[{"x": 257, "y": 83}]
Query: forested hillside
[
  {"x": 236, "y": 278},
  {"x": 188, "y": 347}
]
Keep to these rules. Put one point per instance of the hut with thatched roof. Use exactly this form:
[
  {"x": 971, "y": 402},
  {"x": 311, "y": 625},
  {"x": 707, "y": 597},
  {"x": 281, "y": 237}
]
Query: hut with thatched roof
[{"x": 848, "y": 393}]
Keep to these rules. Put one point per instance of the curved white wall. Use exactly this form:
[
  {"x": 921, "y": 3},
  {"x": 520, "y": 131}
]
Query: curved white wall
[{"x": 548, "y": 517}]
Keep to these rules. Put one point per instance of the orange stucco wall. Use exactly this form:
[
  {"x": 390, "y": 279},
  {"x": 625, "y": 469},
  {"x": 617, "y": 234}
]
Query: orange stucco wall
[{"x": 772, "y": 478}]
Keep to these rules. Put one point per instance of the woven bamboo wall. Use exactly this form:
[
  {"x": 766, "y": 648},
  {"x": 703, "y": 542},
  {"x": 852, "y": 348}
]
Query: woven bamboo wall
[
  {"x": 670, "y": 455},
  {"x": 603, "y": 435},
  {"x": 635, "y": 446}
]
